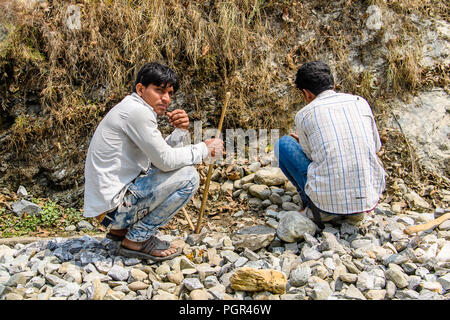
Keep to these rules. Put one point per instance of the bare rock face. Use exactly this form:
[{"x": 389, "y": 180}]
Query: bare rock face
[
  {"x": 250, "y": 279},
  {"x": 425, "y": 121}
]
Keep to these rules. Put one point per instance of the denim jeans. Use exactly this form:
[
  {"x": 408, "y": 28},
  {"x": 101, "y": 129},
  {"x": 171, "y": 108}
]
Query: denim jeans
[
  {"x": 153, "y": 199},
  {"x": 294, "y": 164}
]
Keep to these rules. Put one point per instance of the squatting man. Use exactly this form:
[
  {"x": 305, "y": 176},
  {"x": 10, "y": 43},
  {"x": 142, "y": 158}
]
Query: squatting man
[
  {"x": 135, "y": 180},
  {"x": 332, "y": 158}
]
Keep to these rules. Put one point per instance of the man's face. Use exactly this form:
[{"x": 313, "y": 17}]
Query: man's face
[{"x": 158, "y": 97}]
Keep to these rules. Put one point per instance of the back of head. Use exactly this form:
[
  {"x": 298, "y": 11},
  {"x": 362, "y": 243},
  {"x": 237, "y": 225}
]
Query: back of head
[
  {"x": 157, "y": 74},
  {"x": 314, "y": 76}
]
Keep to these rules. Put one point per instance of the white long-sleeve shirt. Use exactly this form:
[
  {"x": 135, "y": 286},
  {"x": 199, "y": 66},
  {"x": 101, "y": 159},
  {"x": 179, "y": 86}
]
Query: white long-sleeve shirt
[
  {"x": 126, "y": 142},
  {"x": 338, "y": 133}
]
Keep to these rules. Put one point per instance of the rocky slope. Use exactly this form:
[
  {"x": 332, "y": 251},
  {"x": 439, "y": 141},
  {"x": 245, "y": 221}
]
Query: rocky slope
[
  {"x": 269, "y": 252},
  {"x": 63, "y": 67}
]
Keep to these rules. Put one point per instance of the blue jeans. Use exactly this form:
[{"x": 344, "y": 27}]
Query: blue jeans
[
  {"x": 153, "y": 199},
  {"x": 294, "y": 164}
]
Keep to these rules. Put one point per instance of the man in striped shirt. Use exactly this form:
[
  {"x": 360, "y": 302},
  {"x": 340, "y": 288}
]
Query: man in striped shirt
[{"x": 332, "y": 158}]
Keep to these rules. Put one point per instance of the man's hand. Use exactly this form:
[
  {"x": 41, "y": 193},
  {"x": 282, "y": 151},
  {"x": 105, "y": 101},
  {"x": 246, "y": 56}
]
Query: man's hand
[
  {"x": 215, "y": 147},
  {"x": 294, "y": 135},
  {"x": 179, "y": 119}
]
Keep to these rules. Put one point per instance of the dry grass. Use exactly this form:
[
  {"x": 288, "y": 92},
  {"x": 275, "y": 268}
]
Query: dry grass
[{"x": 249, "y": 47}]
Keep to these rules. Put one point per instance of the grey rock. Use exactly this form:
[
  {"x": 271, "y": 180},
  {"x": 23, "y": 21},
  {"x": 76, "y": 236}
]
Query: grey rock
[
  {"x": 229, "y": 255},
  {"x": 54, "y": 280},
  {"x": 407, "y": 294},
  {"x": 249, "y": 254},
  {"x": 353, "y": 293},
  {"x": 195, "y": 239},
  {"x": 297, "y": 200},
  {"x": 266, "y": 203},
  {"x": 18, "y": 279},
  {"x": 239, "y": 213},
  {"x": 63, "y": 254},
  {"x": 308, "y": 253},
  {"x": 276, "y": 199},
  {"x": 293, "y": 247},
  {"x": 118, "y": 273},
  {"x": 211, "y": 281},
  {"x": 87, "y": 257},
  {"x": 185, "y": 263},
  {"x": 429, "y": 295},
  {"x": 240, "y": 262},
  {"x": 255, "y": 203},
  {"x": 330, "y": 242},
  {"x": 371, "y": 280},
  {"x": 253, "y": 167},
  {"x": 361, "y": 243},
  {"x": 192, "y": 284},
  {"x": 22, "y": 192},
  {"x": 35, "y": 282},
  {"x": 22, "y": 206},
  {"x": 445, "y": 281},
  {"x": 248, "y": 179},
  {"x": 321, "y": 291},
  {"x": 271, "y": 213},
  {"x": 84, "y": 225},
  {"x": 417, "y": 201},
  {"x": 272, "y": 223},
  {"x": 260, "y": 191},
  {"x": 259, "y": 264},
  {"x": 270, "y": 176},
  {"x": 293, "y": 226},
  {"x": 66, "y": 289},
  {"x": 409, "y": 267},
  {"x": 131, "y": 261},
  {"x": 396, "y": 275},
  {"x": 414, "y": 282},
  {"x": 422, "y": 272},
  {"x": 290, "y": 206},
  {"x": 444, "y": 253},
  {"x": 254, "y": 237},
  {"x": 300, "y": 275}
]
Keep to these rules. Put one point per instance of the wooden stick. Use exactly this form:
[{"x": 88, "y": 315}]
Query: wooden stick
[
  {"x": 208, "y": 178},
  {"x": 428, "y": 225},
  {"x": 188, "y": 218}
]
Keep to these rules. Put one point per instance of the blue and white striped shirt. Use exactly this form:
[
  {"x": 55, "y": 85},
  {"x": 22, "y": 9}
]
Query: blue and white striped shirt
[{"x": 337, "y": 132}]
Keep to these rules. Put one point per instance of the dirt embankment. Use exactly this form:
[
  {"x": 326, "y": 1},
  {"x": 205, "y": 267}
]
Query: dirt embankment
[{"x": 64, "y": 64}]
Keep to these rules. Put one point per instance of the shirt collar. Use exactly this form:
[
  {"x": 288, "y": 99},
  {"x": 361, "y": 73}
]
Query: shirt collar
[
  {"x": 325, "y": 93},
  {"x": 138, "y": 98}
]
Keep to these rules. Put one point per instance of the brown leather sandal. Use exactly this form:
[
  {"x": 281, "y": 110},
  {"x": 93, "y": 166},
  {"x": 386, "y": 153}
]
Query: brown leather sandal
[
  {"x": 116, "y": 237},
  {"x": 153, "y": 243}
]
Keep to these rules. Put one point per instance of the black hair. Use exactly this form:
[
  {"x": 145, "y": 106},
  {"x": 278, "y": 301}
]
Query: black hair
[
  {"x": 314, "y": 76},
  {"x": 157, "y": 74}
]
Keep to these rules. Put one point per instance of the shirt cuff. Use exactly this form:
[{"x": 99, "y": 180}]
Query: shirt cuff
[
  {"x": 204, "y": 149},
  {"x": 178, "y": 134}
]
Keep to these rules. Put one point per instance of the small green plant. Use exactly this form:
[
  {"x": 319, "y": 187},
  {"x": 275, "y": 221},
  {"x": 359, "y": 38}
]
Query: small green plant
[
  {"x": 50, "y": 214},
  {"x": 72, "y": 216},
  {"x": 53, "y": 220}
]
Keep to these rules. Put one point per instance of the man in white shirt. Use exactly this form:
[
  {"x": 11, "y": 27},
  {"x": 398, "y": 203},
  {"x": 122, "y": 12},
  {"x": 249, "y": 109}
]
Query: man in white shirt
[
  {"x": 135, "y": 180},
  {"x": 332, "y": 158}
]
